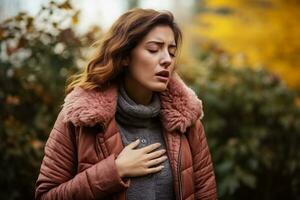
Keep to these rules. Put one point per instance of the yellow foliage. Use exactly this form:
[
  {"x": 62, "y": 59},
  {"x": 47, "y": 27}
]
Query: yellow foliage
[{"x": 266, "y": 32}]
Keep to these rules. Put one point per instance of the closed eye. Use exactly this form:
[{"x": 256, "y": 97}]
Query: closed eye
[
  {"x": 152, "y": 51},
  {"x": 155, "y": 51}
]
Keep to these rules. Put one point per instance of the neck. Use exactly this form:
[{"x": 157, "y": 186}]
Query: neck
[{"x": 138, "y": 93}]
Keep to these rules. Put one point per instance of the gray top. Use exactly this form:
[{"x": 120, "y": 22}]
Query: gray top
[{"x": 140, "y": 121}]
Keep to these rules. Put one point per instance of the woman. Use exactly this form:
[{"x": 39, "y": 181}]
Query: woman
[{"x": 129, "y": 127}]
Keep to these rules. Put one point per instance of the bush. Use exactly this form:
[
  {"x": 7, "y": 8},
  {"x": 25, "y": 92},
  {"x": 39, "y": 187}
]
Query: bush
[
  {"x": 37, "y": 56},
  {"x": 253, "y": 129}
]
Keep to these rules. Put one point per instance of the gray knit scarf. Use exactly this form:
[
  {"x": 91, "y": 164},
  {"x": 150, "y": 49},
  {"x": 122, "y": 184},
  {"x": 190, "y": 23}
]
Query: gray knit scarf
[{"x": 131, "y": 113}]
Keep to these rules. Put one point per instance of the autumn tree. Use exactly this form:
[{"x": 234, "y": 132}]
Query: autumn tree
[{"x": 263, "y": 33}]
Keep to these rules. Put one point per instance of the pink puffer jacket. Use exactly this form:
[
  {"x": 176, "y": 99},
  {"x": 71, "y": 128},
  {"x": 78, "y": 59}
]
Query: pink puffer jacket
[{"x": 80, "y": 153}]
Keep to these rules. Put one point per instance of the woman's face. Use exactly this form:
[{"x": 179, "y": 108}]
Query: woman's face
[{"x": 151, "y": 62}]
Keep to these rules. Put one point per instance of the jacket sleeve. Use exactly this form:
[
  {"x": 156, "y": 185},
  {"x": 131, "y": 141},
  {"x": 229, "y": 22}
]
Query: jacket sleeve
[
  {"x": 205, "y": 184},
  {"x": 58, "y": 178}
]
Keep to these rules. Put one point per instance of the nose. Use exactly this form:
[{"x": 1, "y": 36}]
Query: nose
[{"x": 166, "y": 59}]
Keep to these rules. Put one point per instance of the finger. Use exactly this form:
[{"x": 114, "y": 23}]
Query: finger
[
  {"x": 156, "y": 154},
  {"x": 156, "y": 161},
  {"x": 154, "y": 169},
  {"x": 150, "y": 147},
  {"x": 133, "y": 144}
]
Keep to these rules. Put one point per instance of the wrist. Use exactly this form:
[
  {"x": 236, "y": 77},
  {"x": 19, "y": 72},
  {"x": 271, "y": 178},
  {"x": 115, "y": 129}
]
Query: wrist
[{"x": 119, "y": 168}]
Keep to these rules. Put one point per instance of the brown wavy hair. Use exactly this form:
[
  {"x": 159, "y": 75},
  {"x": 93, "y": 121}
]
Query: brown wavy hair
[{"x": 129, "y": 29}]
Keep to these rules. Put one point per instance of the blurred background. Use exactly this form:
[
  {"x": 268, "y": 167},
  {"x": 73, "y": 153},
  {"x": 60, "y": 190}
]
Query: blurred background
[{"x": 242, "y": 58}]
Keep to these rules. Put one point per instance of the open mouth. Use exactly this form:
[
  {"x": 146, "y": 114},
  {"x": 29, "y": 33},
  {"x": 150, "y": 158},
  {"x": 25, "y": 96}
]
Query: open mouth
[{"x": 163, "y": 76}]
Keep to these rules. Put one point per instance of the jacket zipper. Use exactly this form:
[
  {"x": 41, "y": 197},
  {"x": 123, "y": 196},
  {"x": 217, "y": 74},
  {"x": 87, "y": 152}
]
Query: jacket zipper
[
  {"x": 179, "y": 174},
  {"x": 98, "y": 143},
  {"x": 99, "y": 140}
]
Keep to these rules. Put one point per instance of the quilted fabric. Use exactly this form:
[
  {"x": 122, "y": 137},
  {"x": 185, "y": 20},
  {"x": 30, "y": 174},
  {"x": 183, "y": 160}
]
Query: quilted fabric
[{"x": 80, "y": 153}]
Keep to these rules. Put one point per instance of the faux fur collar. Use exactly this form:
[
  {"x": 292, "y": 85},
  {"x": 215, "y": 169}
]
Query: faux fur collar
[{"x": 180, "y": 106}]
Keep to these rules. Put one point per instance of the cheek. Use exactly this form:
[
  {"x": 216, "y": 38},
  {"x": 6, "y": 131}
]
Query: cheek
[
  {"x": 144, "y": 65},
  {"x": 172, "y": 69}
]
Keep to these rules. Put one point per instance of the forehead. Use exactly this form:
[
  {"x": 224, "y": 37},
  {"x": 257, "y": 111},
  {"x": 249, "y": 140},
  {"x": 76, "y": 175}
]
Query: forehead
[{"x": 160, "y": 33}]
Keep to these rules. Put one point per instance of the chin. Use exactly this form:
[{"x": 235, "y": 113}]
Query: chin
[{"x": 159, "y": 87}]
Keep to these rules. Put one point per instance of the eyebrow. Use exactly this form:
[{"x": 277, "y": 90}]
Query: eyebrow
[{"x": 160, "y": 43}]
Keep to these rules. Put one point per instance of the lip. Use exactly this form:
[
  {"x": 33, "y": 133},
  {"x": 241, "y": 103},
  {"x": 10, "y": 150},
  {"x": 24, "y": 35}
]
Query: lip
[
  {"x": 163, "y": 75},
  {"x": 162, "y": 78}
]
